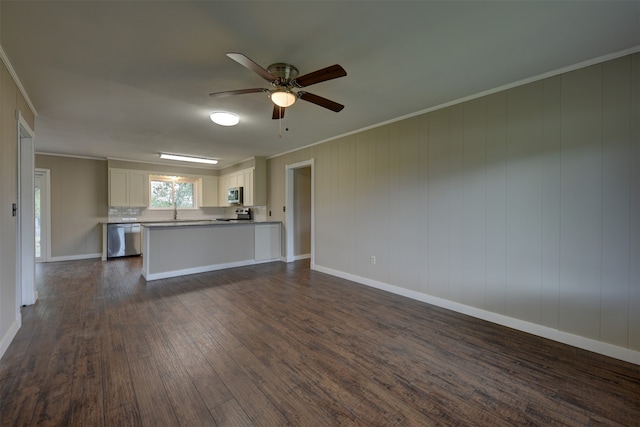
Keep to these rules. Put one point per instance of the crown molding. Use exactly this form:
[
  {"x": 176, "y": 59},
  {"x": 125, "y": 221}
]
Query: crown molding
[{"x": 44, "y": 153}]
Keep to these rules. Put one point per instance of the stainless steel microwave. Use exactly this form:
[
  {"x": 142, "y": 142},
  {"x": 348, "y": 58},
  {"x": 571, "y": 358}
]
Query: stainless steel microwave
[{"x": 234, "y": 195}]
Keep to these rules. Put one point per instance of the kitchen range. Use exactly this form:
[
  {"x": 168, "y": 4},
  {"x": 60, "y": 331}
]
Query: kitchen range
[{"x": 242, "y": 214}]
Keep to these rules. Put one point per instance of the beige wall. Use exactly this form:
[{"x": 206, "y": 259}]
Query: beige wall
[
  {"x": 11, "y": 100},
  {"x": 524, "y": 205},
  {"x": 78, "y": 204}
]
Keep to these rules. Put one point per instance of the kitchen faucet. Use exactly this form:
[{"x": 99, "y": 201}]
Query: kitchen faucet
[{"x": 175, "y": 211}]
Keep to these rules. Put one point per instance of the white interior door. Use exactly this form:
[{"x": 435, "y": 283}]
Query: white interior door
[{"x": 25, "y": 284}]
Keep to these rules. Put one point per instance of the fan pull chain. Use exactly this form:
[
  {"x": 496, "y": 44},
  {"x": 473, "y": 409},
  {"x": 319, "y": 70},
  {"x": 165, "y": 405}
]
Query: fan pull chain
[{"x": 280, "y": 123}]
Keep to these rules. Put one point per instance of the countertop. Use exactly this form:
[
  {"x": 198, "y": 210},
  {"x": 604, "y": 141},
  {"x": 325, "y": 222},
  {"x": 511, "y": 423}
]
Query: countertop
[
  {"x": 201, "y": 221},
  {"x": 164, "y": 224}
]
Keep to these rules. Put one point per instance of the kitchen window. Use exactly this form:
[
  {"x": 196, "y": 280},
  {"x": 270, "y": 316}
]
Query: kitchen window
[{"x": 164, "y": 191}]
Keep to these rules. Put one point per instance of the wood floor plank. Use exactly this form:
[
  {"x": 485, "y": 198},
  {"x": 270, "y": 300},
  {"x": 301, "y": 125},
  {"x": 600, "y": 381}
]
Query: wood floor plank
[
  {"x": 153, "y": 403},
  {"x": 279, "y": 344},
  {"x": 296, "y": 409},
  {"x": 187, "y": 403},
  {"x": 19, "y": 408},
  {"x": 52, "y": 410},
  {"x": 123, "y": 416},
  {"x": 118, "y": 385},
  {"x": 86, "y": 394},
  {"x": 230, "y": 413},
  {"x": 258, "y": 407}
]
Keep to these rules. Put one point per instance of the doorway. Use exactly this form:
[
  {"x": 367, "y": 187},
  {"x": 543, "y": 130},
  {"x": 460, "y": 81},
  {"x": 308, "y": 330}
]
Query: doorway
[
  {"x": 299, "y": 183},
  {"x": 42, "y": 212},
  {"x": 25, "y": 284}
]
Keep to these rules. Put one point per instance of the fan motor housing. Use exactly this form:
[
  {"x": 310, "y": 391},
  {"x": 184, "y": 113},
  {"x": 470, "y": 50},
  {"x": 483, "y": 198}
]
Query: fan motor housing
[{"x": 283, "y": 71}]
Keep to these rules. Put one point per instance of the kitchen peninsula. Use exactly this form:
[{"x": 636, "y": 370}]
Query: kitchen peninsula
[{"x": 180, "y": 248}]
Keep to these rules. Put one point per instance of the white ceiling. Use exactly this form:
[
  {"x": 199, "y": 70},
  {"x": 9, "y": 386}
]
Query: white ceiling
[{"x": 129, "y": 79}]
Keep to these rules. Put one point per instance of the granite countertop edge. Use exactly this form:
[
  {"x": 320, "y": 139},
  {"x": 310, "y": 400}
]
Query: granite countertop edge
[{"x": 189, "y": 222}]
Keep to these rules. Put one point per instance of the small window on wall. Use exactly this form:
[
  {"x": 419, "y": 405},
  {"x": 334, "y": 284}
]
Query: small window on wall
[{"x": 165, "y": 190}]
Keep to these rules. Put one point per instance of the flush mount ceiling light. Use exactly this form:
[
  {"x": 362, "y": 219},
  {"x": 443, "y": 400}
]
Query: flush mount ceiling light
[
  {"x": 283, "y": 98},
  {"x": 188, "y": 158},
  {"x": 224, "y": 118}
]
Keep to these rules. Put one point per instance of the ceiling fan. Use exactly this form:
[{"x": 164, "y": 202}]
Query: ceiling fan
[{"x": 284, "y": 78}]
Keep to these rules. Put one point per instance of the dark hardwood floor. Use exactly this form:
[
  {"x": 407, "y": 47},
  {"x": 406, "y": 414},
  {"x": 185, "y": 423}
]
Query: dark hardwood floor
[{"x": 277, "y": 344}]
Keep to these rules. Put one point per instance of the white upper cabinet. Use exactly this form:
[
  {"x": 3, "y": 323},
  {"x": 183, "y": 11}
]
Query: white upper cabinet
[
  {"x": 259, "y": 182},
  {"x": 118, "y": 187},
  {"x": 128, "y": 188},
  {"x": 210, "y": 191},
  {"x": 138, "y": 189},
  {"x": 223, "y": 186},
  {"x": 247, "y": 191},
  {"x": 253, "y": 182}
]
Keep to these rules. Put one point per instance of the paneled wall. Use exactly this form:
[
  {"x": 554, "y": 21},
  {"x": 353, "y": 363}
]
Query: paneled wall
[
  {"x": 524, "y": 203},
  {"x": 78, "y": 204}
]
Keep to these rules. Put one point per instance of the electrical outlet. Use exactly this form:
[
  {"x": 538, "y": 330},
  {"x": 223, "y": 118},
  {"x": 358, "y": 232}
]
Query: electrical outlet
[{"x": 373, "y": 259}]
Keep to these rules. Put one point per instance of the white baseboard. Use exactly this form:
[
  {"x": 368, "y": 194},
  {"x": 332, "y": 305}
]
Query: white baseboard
[
  {"x": 264, "y": 261},
  {"x": 195, "y": 270},
  {"x": 303, "y": 256},
  {"x": 584, "y": 343},
  {"x": 73, "y": 257},
  {"x": 9, "y": 336}
]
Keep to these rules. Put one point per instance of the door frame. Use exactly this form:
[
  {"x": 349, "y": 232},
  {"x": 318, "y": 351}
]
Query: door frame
[
  {"x": 26, "y": 265},
  {"x": 289, "y": 201}
]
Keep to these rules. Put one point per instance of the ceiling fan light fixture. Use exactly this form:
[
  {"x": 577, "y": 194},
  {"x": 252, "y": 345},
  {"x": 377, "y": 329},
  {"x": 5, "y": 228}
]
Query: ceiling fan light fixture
[
  {"x": 283, "y": 98},
  {"x": 191, "y": 159},
  {"x": 224, "y": 118}
]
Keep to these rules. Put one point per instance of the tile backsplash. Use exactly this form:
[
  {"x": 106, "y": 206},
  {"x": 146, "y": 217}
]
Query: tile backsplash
[
  {"x": 125, "y": 214},
  {"x": 142, "y": 214}
]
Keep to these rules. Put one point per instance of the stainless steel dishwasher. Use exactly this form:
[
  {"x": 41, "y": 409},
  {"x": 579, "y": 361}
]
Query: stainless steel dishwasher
[{"x": 123, "y": 240}]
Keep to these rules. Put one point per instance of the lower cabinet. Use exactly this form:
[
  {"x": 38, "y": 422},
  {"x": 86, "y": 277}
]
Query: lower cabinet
[
  {"x": 177, "y": 249},
  {"x": 267, "y": 242}
]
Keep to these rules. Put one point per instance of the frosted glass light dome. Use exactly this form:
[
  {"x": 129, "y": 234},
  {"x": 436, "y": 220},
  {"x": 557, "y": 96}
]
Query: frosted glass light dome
[{"x": 224, "y": 118}]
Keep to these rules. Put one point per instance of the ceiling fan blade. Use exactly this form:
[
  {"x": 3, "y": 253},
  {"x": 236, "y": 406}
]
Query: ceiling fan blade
[
  {"x": 237, "y": 92},
  {"x": 332, "y": 72},
  {"x": 278, "y": 112},
  {"x": 318, "y": 100},
  {"x": 248, "y": 63}
]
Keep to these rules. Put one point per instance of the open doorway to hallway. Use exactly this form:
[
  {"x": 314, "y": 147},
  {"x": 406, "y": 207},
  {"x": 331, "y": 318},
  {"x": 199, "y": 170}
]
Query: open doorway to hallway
[{"x": 300, "y": 215}]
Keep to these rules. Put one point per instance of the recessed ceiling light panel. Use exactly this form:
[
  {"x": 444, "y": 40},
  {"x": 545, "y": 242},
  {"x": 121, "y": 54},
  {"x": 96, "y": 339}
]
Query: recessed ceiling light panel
[
  {"x": 224, "y": 118},
  {"x": 188, "y": 158}
]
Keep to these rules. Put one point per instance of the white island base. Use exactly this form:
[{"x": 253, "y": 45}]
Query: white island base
[{"x": 178, "y": 249}]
